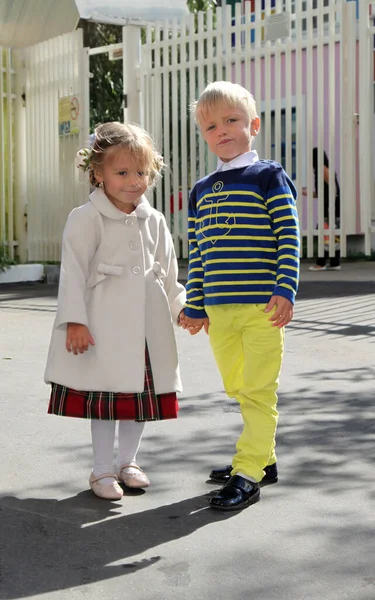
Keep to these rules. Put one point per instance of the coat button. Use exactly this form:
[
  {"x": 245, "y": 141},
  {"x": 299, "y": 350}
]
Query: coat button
[
  {"x": 136, "y": 270},
  {"x": 129, "y": 222},
  {"x": 133, "y": 246}
]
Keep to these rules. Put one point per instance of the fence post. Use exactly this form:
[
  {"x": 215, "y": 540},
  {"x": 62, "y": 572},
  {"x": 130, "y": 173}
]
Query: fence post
[
  {"x": 366, "y": 116},
  {"x": 131, "y": 58},
  {"x": 347, "y": 119},
  {"x": 20, "y": 156}
]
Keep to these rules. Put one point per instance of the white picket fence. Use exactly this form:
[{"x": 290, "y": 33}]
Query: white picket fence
[
  {"x": 309, "y": 65},
  {"x": 300, "y": 64}
]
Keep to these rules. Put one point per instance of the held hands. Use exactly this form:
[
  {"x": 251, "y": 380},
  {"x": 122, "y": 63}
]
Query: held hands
[
  {"x": 78, "y": 338},
  {"x": 283, "y": 312},
  {"x": 281, "y": 308},
  {"x": 192, "y": 325}
]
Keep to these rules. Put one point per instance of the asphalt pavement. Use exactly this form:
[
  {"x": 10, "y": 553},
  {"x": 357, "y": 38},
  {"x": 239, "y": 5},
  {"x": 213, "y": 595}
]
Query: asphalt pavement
[{"x": 312, "y": 536}]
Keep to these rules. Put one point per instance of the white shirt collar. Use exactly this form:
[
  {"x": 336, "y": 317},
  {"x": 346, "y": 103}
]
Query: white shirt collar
[{"x": 244, "y": 160}]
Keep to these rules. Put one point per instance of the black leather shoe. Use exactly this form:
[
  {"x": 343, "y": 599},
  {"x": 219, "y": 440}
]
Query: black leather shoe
[
  {"x": 223, "y": 475},
  {"x": 237, "y": 493}
]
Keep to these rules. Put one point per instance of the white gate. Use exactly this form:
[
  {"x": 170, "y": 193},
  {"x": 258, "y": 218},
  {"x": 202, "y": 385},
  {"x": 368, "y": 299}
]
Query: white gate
[
  {"x": 57, "y": 125},
  {"x": 298, "y": 59}
]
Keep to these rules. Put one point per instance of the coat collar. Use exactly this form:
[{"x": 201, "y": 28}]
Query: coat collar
[{"x": 105, "y": 207}]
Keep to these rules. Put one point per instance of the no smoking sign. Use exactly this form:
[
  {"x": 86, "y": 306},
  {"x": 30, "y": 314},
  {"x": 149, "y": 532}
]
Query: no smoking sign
[
  {"x": 69, "y": 115},
  {"x": 74, "y": 108}
]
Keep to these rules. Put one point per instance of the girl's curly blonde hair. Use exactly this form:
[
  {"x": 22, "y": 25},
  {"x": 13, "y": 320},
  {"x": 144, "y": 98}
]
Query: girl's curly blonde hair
[{"x": 124, "y": 136}]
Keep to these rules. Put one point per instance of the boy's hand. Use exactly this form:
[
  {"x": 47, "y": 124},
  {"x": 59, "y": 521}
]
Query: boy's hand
[
  {"x": 78, "y": 338},
  {"x": 194, "y": 325},
  {"x": 283, "y": 313},
  {"x": 192, "y": 329}
]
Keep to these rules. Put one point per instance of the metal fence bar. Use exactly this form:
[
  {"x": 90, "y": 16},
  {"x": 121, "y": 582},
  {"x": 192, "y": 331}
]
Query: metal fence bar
[
  {"x": 182, "y": 215},
  {"x": 366, "y": 117},
  {"x": 3, "y": 234},
  {"x": 288, "y": 82},
  {"x": 331, "y": 128},
  {"x": 310, "y": 90},
  {"x": 318, "y": 100},
  {"x": 8, "y": 242},
  {"x": 9, "y": 96},
  {"x": 176, "y": 135}
]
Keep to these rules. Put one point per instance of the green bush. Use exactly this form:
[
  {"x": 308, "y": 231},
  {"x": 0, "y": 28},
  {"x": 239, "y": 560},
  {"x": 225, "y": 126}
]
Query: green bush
[{"x": 5, "y": 261}]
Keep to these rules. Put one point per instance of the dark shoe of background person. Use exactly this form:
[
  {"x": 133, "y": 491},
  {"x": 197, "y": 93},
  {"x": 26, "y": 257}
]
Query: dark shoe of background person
[
  {"x": 237, "y": 493},
  {"x": 223, "y": 475}
]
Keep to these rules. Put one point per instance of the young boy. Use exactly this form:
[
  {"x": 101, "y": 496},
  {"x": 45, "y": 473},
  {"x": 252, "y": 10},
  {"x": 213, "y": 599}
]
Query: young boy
[{"x": 243, "y": 277}]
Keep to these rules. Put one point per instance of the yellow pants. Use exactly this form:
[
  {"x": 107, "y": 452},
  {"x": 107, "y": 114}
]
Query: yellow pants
[{"x": 248, "y": 351}]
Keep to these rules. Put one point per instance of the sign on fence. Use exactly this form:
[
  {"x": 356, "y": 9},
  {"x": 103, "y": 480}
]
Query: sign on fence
[{"x": 69, "y": 115}]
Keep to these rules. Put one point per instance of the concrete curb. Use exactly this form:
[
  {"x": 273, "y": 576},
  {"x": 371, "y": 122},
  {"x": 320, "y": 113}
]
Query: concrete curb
[{"x": 22, "y": 273}]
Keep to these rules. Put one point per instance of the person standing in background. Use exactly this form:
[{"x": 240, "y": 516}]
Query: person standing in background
[{"x": 334, "y": 261}]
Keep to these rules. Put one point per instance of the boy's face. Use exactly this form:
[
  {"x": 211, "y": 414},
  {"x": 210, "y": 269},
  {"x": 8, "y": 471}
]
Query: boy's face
[{"x": 228, "y": 131}]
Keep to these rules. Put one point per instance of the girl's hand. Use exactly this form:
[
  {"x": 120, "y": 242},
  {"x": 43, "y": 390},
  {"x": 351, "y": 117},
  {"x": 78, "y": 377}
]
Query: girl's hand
[
  {"x": 181, "y": 319},
  {"x": 78, "y": 338}
]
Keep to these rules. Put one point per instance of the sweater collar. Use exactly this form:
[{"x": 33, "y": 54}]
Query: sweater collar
[
  {"x": 142, "y": 209},
  {"x": 244, "y": 160}
]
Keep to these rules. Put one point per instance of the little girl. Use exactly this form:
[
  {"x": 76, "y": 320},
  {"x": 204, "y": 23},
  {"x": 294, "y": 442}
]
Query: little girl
[{"x": 113, "y": 351}]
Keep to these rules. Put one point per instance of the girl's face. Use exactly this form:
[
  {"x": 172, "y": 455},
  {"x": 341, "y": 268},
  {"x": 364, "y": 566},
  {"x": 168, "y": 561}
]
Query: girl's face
[{"x": 123, "y": 179}]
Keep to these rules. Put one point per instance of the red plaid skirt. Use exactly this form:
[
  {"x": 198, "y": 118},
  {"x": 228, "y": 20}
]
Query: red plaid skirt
[{"x": 144, "y": 406}]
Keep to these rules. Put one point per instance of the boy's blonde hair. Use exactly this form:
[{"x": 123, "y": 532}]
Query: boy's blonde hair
[
  {"x": 224, "y": 93},
  {"x": 121, "y": 136}
]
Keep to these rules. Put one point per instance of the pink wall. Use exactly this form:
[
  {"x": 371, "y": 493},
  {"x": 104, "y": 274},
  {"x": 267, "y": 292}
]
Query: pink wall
[
  {"x": 316, "y": 75},
  {"x": 314, "y": 124}
]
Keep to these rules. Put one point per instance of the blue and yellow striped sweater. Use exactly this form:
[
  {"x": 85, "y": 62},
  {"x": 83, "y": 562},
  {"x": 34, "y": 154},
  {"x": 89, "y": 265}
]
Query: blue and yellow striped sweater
[{"x": 243, "y": 238}]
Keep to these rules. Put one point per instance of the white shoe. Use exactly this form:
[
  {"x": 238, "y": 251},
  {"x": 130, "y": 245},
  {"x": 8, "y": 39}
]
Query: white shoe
[
  {"x": 133, "y": 476},
  {"x": 337, "y": 268},
  {"x": 317, "y": 268},
  {"x": 108, "y": 491}
]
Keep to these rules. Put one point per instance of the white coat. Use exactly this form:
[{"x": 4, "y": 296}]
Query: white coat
[{"x": 119, "y": 278}]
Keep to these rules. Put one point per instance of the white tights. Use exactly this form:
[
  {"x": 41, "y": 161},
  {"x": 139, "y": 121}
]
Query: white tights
[{"x": 103, "y": 440}]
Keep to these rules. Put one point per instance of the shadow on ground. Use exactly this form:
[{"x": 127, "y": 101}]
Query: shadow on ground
[
  {"x": 24, "y": 291},
  {"x": 326, "y": 432},
  {"x": 325, "y": 441},
  {"x": 55, "y": 545},
  {"x": 313, "y": 290}
]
